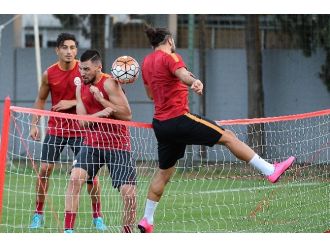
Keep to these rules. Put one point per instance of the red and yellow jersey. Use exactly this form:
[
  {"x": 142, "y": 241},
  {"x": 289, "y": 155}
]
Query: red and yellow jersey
[
  {"x": 103, "y": 135},
  {"x": 169, "y": 93},
  {"x": 62, "y": 87}
]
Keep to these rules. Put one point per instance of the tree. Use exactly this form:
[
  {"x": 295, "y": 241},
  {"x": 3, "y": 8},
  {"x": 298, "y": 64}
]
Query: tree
[
  {"x": 309, "y": 32},
  {"x": 255, "y": 87}
]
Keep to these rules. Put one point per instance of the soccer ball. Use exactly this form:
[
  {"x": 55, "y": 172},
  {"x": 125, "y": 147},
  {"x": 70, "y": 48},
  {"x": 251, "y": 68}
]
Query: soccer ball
[{"x": 125, "y": 69}]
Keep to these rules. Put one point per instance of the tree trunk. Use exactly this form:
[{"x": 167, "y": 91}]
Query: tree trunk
[
  {"x": 202, "y": 61},
  {"x": 202, "y": 70},
  {"x": 98, "y": 34},
  {"x": 255, "y": 87}
]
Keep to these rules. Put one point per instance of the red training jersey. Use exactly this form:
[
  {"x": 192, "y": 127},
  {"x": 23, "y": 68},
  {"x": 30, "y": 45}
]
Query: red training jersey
[
  {"x": 62, "y": 87},
  {"x": 169, "y": 93},
  {"x": 103, "y": 135}
]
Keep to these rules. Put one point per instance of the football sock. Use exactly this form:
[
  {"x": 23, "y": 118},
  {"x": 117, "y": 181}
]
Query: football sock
[
  {"x": 39, "y": 207},
  {"x": 263, "y": 166},
  {"x": 127, "y": 229},
  {"x": 96, "y": 210},
  {"x": 150, "y": 210},
  {"x": 70, "y": 218}
]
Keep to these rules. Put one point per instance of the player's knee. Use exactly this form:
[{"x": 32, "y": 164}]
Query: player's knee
[
  {"x": 165, "y": 175},
  {"x": 78, "y": 177},
  {"x": 129, "y": 193},
  {"x": 46, "y": 170},
  {"x": 228, "y": 137}
]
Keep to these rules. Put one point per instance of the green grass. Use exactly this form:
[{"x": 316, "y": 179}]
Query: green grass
[{"x": 196, "y": 200}]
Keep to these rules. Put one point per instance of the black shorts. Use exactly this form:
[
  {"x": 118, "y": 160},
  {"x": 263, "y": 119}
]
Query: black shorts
[
  {"x": 53, "y": 146},
  {"x": 120, "y": 164},
  {"x": 174, "y": 134}
]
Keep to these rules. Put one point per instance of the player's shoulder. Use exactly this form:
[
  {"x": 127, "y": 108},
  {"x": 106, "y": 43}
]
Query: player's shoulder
[
  {"x": 173, "y": 57},
  {"x": 107, "y": 78},
  {"x": 51, "y": 71},
  {"x": 52, "y": 67},
  {"x": 109, "y": 81},
  {"x": 176, "y": 57}
]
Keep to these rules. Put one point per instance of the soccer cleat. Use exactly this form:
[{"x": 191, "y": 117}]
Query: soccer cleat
[
  {"x": 37, "y": 221},
  {"x": 280, "y": 168},
  {"x": 68, "y": 231},
  {"x": 99, "y": 224},
  {"x": 145, "y": 227}
]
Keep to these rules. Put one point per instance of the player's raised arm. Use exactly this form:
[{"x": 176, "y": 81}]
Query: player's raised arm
[{"x": 187, "y": 78}]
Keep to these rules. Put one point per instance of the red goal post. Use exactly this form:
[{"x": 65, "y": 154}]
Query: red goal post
[{"x": 4, "y": 147}]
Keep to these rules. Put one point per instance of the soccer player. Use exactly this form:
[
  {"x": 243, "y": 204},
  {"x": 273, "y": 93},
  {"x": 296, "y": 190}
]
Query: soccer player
[
  {"x": 167, "y": 81},
  {"x": 58, "y": 80},
  {"x": 101, "y": 96}
]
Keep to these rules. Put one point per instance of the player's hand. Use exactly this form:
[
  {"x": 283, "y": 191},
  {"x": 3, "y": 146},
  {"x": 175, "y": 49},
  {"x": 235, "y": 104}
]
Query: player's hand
[
  {"x": 106, "y": 112},
  {"x": 34, "y": 133},
  {"x": 98, "y": 95},
  {"x": 197, "y": 86},
  {"x": 63, "y": 105}
]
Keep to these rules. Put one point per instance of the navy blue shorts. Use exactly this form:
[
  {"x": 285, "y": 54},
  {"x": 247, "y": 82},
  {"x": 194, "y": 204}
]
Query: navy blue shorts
[
  {"x": 121, "y": 166},
  {"x": 53, "y": 146},
  {"x": 174, "y": 134}
]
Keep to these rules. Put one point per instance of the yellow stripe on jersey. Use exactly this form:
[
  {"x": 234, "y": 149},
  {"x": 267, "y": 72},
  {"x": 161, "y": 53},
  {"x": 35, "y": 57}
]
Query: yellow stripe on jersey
[
  {"x": 105, "y": 75},
  {"x": 54, "y": 64},
  {"x": 175, "y": 57},
  {"x": 215, "y": 127}
]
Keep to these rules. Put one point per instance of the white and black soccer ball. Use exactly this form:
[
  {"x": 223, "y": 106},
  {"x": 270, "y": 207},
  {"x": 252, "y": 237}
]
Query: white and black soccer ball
[{"x": 125, "y": 69}]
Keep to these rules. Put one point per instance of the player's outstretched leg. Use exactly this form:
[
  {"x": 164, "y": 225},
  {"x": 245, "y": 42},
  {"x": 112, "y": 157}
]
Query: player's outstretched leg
[{"x": 245, "y": 153}]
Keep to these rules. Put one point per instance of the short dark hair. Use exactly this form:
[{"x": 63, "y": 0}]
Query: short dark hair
[
  {"x": 63, "y": 37},
  {"x": 92, "y": 55},
  {"x": 157, "y": 36}
]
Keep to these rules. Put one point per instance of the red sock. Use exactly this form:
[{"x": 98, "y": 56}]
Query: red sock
[
  {"x": 127, "y": 229},
  {"x": 39, "y": 207},
  {"x": 96, "y": 210},
  {"x": 69, "y": 220}
]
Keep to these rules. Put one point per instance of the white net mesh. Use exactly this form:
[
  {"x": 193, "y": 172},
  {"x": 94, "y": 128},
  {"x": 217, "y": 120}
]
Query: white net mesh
[{"x": 211, "y": 191}]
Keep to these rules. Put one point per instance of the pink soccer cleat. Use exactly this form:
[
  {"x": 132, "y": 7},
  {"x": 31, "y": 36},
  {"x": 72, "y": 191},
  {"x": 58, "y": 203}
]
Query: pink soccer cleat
[
  {"x": 145, "y": 227},
  {"x": 280, "y": 168}
]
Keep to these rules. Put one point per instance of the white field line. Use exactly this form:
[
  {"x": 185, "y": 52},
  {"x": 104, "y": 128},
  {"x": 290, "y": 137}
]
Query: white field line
[{"x": 252, "y": 189}]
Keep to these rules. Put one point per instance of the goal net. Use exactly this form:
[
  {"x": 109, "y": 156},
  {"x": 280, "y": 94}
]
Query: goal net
[{"x": 211, "y": 191}]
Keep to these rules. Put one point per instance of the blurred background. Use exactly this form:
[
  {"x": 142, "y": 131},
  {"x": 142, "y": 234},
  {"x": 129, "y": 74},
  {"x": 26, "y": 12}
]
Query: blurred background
[{"x": 252, "y": 65}]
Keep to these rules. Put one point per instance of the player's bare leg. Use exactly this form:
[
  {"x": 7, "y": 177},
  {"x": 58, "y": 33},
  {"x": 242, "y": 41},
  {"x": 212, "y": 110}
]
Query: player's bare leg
[
  {"x": 42, "y": 185},
  {"x": 245, "y": 153},
  {"x": 128, "y": 193},
  {"x": 237, "y": 147},
  {"x": 156, "y": 190},
  {"x": 158, "y": 183},
  {"x": 94, "y": 190},
  {"x": 77, "y": 179}
]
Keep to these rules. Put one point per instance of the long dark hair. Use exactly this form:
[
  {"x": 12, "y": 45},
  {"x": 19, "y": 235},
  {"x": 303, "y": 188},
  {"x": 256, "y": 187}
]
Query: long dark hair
[{"x": 157, "y": 36}]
